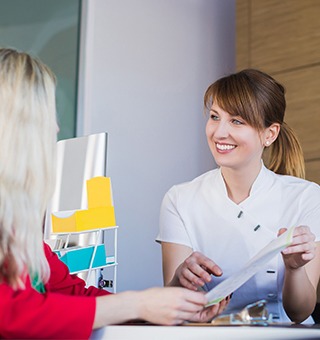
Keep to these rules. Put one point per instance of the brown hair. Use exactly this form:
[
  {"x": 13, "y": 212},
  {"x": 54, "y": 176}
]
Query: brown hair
[{"x": 260, "y": 101}]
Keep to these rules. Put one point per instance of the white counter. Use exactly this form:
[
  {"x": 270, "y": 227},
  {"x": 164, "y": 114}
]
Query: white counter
[{"x": 146, "y": 332}]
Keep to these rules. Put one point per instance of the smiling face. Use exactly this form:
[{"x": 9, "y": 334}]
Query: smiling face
[
  {"x": 232, "y": 141},
  {"x": 246, "y": 113}
]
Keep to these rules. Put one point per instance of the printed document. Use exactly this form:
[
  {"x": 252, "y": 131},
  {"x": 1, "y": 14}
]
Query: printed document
[{"x": 233, "y": 282}]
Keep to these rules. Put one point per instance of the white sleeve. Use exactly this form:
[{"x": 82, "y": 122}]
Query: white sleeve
[{"x": 171, "y": 225}]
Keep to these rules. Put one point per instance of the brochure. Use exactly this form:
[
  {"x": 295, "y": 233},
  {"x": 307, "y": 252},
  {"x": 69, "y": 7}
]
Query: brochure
[{"x": 233, "y": 282}]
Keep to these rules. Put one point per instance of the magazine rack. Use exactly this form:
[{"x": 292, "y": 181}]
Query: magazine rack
[{"x": 96, "y": 220}]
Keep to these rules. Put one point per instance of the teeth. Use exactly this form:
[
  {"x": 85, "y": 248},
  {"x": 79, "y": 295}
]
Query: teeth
[{"x": 225, "y": 147}]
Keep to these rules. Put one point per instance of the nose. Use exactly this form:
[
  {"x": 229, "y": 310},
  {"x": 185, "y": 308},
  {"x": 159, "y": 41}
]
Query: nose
[{"x": 221, "y": 130}]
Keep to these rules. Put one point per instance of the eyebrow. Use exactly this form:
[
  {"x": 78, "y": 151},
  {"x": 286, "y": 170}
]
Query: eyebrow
[{"x": 233, "y": 115}]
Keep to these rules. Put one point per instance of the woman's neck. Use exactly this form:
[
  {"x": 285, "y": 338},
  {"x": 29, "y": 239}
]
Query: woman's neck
[{"x": 239, "y": 182}]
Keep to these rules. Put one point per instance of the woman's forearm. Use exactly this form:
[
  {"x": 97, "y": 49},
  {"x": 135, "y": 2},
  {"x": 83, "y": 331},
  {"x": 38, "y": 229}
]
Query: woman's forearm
[
  {"x": 299, "y": 295},
  {"x": 166, "y": 306},
  {"x": 116, "y": 308}
]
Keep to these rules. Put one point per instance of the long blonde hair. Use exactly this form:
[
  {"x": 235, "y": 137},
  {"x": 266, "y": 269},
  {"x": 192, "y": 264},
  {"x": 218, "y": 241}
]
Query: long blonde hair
[
  {"x": 28, "y": 132},
  {"x": 260, "y": 101}
]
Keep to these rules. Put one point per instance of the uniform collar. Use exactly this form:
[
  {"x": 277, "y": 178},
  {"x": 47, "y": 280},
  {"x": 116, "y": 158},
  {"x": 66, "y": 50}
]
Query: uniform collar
[{"x": 264, "y": 180}]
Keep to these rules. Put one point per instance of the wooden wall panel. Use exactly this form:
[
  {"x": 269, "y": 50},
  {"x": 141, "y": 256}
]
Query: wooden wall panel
[
  {"x": 282, "y": 38},
  {"x": 284, "y": 34},
  {"x": 313, "y": 171},
  {"x": 303, "y": 107}
]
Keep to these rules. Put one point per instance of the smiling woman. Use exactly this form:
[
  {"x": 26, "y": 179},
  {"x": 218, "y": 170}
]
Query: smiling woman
[
  {"x": 210, "y": 227},
  {"x": 257, "y": 100}
]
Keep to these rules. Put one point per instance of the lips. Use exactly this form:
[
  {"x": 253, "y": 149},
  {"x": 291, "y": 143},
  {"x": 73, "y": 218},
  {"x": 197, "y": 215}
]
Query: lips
[{"x": 224, "y": 147}]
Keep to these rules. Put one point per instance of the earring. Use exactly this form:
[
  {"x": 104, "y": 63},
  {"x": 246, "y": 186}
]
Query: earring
[{"x": 267, "y": 143}]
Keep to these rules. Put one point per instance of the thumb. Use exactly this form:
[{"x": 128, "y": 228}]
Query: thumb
[{"x": 281, "y": 231}]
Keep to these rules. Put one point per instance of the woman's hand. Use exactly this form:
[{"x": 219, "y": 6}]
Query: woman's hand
[
  {"x": 302, "y": 250},
  {"x": 195, "y": 271},
  {"x": 174, "y": 305},
  {"x": 208, "y": 313}
]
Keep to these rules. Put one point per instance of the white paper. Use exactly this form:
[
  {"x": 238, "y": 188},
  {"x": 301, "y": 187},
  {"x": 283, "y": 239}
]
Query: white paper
[{"x": 233, "y": 282}]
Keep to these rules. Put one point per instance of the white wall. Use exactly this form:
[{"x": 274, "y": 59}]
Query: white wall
[{"x": 145, "y": 65}]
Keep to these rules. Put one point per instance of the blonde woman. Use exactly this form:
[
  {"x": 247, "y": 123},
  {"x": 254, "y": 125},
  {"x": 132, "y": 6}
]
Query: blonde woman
[
  {"x": 217, "y": 222},
  {"x": 39, "y": 298}
]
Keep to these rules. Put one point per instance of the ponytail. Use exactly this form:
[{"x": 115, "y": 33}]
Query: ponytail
[{"x": 285, "y": 155}]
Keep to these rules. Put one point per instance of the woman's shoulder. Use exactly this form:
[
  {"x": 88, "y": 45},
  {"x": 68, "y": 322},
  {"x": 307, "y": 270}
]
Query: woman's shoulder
[
  {"x": 196, "y": 184},
  {"x": 299, "y": 184},
  {"x": 287, "y": 179}
]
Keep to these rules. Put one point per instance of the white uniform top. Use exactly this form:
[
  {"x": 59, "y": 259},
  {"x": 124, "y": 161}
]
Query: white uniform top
[{"x": 200, "y": 215}]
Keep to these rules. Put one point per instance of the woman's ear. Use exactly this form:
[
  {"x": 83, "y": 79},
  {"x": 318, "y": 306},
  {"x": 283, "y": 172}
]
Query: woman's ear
[{"x": 271, "y": 133}]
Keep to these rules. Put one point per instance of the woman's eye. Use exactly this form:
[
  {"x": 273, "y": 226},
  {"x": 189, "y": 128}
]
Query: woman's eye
[
  {"x": 214, "y": 117},
  {"x": 237, "y": 122}
]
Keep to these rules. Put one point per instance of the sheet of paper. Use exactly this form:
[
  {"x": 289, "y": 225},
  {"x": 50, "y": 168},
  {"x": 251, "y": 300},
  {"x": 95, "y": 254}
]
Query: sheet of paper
[{"x": 233, "y": 282}]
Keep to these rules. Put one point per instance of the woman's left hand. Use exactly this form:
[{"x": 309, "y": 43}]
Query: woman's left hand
[
  {"x": 208, "y": 313},
  {"x": 302, "y": 250}
]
